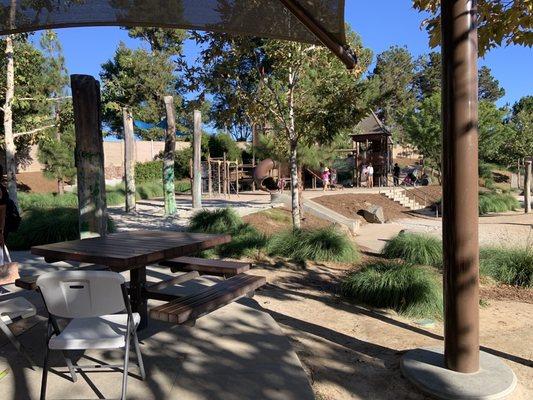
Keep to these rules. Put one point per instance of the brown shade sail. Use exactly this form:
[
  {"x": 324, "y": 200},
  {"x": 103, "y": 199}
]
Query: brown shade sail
[{"x": 265, "y": 18}]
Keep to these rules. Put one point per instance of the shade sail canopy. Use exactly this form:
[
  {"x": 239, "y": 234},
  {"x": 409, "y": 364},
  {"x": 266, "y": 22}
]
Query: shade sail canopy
[{"x": 265, "y": 18}]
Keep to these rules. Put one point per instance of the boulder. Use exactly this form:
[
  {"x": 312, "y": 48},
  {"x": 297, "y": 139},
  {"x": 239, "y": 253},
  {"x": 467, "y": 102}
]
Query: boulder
[{"x": 374, "y": 214}]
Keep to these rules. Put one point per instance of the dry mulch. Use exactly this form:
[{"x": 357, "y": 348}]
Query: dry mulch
[
  {"x": 277, "y": 220},
  {"x": 35, "y": 182},
  {"x": 506, "y": 293},
  {"x": 433, "y": 193},
  {"x": 350, "y": 204}
]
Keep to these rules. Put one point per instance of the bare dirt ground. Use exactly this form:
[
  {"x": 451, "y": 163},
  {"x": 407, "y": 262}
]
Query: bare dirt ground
[
  {"x": 275, "y": 220},
  {"x": 351, "y": 352},
  {"x": 433, "y": 193},
  {"x": 349, "y": 205}
]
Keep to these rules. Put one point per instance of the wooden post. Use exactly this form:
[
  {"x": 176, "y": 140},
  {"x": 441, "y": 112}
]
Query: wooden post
[
  {"x": 224, "y": 176},
  {"x": 460, "y": 185},
  {"x": 89, "y": 156},
  {"x": 219, "y": 178},
  {"x": 168, "y": 158},
  {"x": 209, "y": 177},
  {"x": 129, "y": 159},
  {"x": 197, "y": 161},
  {"x": 237, "y": 177},
  {"x": 527, "y": 187}
]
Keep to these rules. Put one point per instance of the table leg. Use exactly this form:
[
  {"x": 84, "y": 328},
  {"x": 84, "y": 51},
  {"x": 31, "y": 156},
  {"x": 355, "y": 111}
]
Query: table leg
[{"x": 137, "y": 290}]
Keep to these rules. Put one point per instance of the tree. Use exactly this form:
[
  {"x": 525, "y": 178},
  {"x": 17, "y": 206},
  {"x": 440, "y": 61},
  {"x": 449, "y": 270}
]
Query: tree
[
  {"x": 428, "y": 75},
  {"x": 494, "y": 132},
  {"x": 520, "y": 145},
  {"x": 394, "y": 72},
  {"x": 423, "y": 129},
  {"x": 500, "y": 22},
  {"x": 489, "y": 87},
  {"x": 25, "y": 99}
]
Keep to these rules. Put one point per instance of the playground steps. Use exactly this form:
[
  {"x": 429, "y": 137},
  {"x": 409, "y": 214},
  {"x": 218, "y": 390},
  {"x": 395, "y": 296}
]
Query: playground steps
[{"x": 399, "y": 195}]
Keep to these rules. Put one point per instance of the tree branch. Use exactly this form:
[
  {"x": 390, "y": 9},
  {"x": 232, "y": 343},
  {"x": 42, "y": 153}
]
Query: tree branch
[{"x": 33, "y": 131}]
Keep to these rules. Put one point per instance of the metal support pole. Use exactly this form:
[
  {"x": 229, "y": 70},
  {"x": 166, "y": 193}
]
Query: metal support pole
[
  {"x": 197, "y": 162},
  {"x": 460, "y": 185}
]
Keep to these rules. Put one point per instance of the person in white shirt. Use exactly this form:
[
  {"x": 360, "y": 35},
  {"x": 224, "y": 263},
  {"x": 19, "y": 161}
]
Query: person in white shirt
[{"x": 370, "y": 172}]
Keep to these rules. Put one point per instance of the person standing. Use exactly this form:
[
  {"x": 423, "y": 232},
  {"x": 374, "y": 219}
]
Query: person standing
[
  {"x": 396, "y": 174},
  {"x": 325, "y": 178},
  {"x": 370, "y": 172}
]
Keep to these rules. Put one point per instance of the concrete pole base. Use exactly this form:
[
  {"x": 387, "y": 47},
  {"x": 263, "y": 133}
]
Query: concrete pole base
[{"x": 425, "y": 369}]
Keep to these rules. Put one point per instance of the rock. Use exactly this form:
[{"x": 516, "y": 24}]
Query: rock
[{"x": 374, "y": 214}]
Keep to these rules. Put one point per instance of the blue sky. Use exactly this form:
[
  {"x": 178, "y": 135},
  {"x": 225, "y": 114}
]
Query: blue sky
[{"x": 392, "y": 22}]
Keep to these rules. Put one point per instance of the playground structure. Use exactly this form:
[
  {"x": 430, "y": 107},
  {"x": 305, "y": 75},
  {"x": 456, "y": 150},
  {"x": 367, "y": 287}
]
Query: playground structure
[{"x": 223, "y": 177}]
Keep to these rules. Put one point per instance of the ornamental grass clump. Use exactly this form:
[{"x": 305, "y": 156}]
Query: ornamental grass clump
[
  {"x": 412, "y": 291},
  {"x": 496, "y": 202},
  {"x": 509, "y": 266},
  {"x": 415, "y": 248},
  {"x": 222, "y": 220},
  {"x": 325, "y": 244}
]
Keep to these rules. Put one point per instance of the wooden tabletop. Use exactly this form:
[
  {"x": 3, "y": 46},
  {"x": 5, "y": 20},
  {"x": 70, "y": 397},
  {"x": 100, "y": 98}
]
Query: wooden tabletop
[{"x": 132, "y": 249}]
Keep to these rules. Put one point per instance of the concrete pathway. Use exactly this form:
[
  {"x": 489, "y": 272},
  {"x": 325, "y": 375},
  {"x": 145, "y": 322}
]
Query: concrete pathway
[{"x": 236, "y": 352}]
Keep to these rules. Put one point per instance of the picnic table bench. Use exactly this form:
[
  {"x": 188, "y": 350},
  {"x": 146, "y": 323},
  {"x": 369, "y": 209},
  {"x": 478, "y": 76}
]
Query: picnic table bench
[
  {"x": 207, "y": 266},
  {"x": 132, "y": 251}
]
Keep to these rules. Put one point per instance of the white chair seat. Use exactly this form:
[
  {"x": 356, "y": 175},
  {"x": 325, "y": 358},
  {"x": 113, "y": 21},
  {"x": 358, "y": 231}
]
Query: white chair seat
[
  {"x": 15, "y": 308},
  {"x": 105, "y": 332}
]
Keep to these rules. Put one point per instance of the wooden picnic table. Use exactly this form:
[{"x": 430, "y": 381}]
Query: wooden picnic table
[{"x": 132, "y": 251}]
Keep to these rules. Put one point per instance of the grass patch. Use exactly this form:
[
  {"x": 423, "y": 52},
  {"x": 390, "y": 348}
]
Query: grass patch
[
  {"x": 47, "y": 225},
  {"x": 46, "y": 200},
  {"x": 509, "y": 266},
  {"x": 415, "y": 248},
  {"x": 496, "y": 202},
  {"x": 275, "y": 214},
  {"x": 246, "y": 240},
  {"x": 325, "y": 244},
  {"x": 413, "y": 291}
]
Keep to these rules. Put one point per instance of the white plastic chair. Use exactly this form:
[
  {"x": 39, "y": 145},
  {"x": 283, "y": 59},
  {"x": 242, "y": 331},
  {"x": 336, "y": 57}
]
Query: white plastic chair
[{"x": 91, "y": 299}]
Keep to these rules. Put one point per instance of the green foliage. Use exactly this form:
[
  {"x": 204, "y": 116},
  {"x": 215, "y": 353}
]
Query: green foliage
[
  {"x": 499, "y": 22},
  {"x": 149, "y": 171},
  {"x": 415, "y": 248},
  {"x": 326, "y": 244},
  {"x": 246, "y": 240},
  {"x": 520, "y": 144},
  {"x": 510, "y": 266},
  {"x": 149, "y": 190},
  {"x": 496, "y": 202},
  {"x": 46, "y": 225},
  {"x": 47, "y": 200},
  {"x": 223, "y": 143},
  {"x": 413, "y": 291},
  {"x": 221, "y": 220}
]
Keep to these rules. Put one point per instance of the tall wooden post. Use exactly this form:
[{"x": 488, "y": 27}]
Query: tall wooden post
[
  {"x": 219, "y": 177},
  {"x": 89, "y": 156},
  {"x": 129, "y": 159},
  {"x": 209, "y": 177},
  {"x": 460, "y": 185},
  {"x": 197, "y": 161},
  {"x": 225, "y": 175},
  {"x": 527, "y": 187},
  {"x": 168, "y": 157}
]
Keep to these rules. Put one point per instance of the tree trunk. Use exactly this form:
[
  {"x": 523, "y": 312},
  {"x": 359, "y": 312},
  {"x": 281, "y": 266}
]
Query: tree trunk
[
  {"x": 89, "y": 156},
  {"x": 527, "y": 187},
  {"x": 168, "y": 158},
  {"x": 11, "y": 164},
  {"x": 295, "y": 203},
  {"x": 129, "y": 159},
  {"x": 197, "y": 161},
  {"x": 300, "y": 192}
]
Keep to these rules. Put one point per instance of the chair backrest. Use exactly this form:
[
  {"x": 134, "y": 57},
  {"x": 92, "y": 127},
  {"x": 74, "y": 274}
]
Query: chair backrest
[{"x": 82, "y": 294}]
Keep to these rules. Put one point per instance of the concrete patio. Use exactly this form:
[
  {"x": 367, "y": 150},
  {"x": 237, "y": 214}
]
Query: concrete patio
[{"x": 236, "y": 352}]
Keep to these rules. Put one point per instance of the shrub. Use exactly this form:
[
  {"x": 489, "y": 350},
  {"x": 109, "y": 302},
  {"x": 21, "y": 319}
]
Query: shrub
[
  {"x": 149, "y": 190},
  {"x": 415, "y": 248},
  {"x": 116, "y": 195},
  {"x": 246, "y": 240},
  {"x": 47, "y": 225},
  {"x": 325, "y": 244},
  {"x": 495, "y": 202},
  {"x": 183, "y": 186},
  {"x": 149, "y": 171},
  {"x": 413, "y": 291},
  {"x": 222, "y": 220},
  {"x": 510, "y": 266}
]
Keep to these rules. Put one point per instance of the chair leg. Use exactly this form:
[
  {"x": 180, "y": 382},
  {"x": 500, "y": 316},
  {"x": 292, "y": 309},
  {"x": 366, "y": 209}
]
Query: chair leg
[
  {"x": 70, "y": 366},
  {"x": 45, "y": 374},
  {"x": 125, "y": 373},
  {"x": 13, "y": 339},
  {"x": 139, "y": 355}
]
